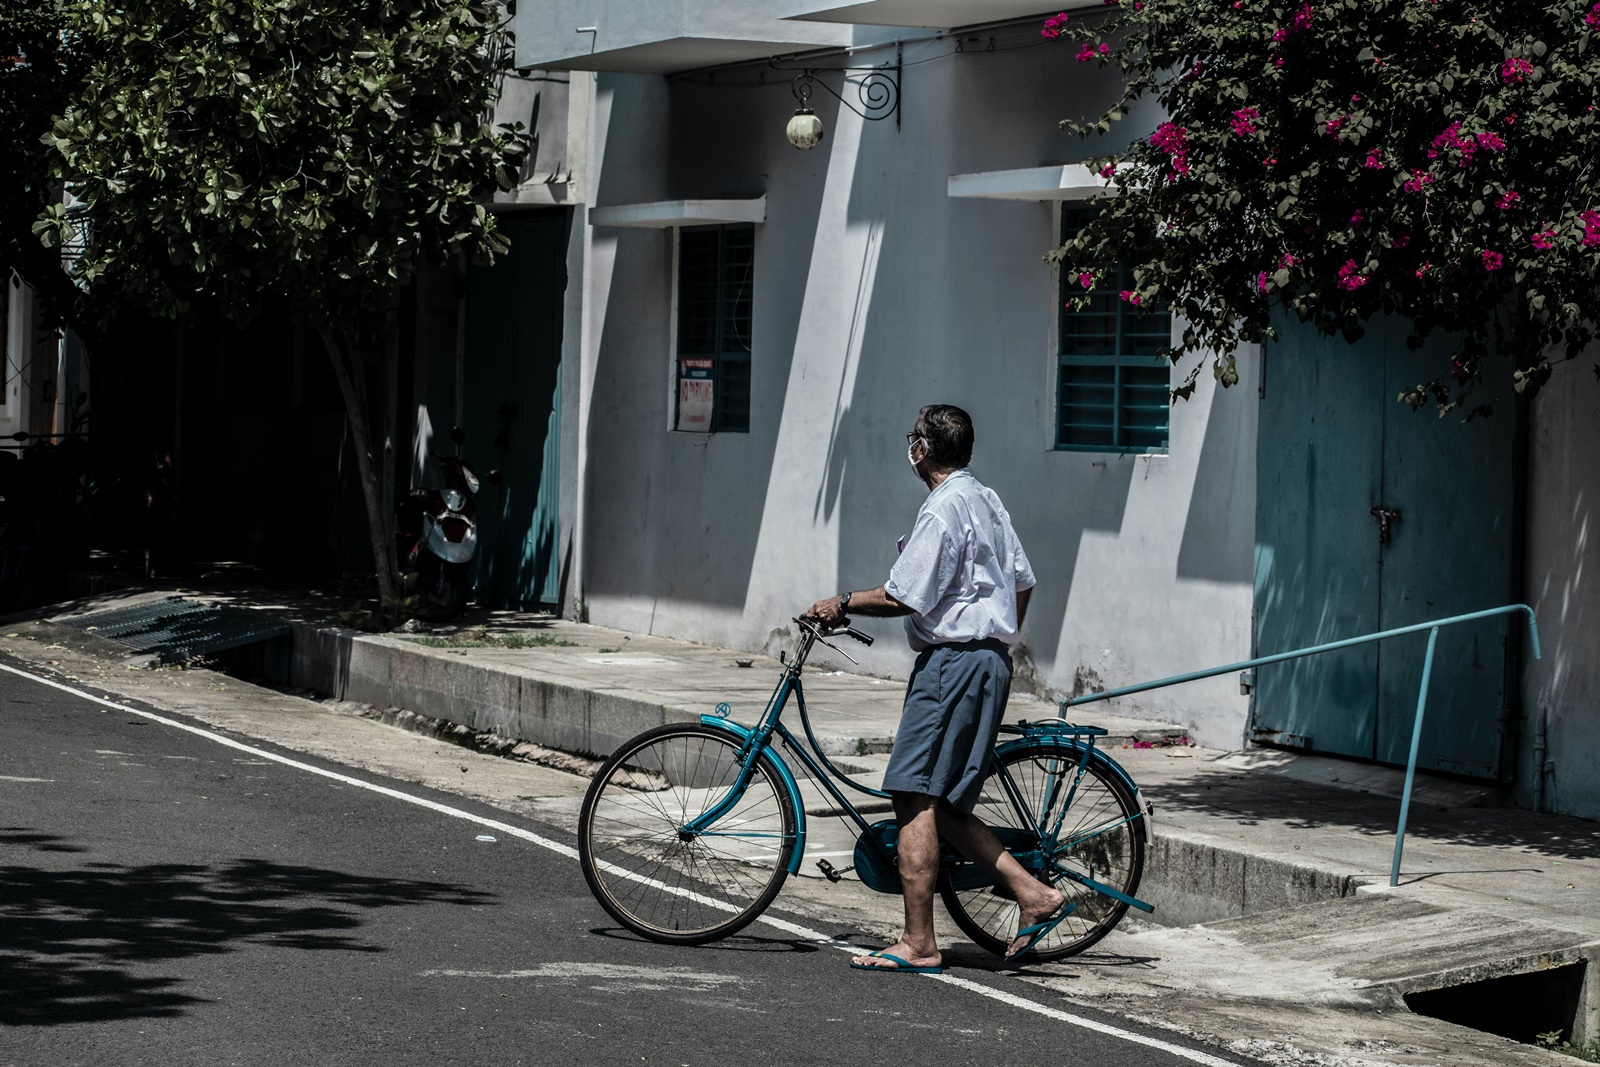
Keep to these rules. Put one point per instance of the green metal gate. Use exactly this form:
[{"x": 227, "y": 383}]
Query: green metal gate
[
  {"x": 513, "y": 411},
  {"x": 1370, "y": 516}
]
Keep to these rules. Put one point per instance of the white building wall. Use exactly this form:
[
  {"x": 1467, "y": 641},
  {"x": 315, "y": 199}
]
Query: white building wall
[
  {"x": 875, "y": 293},
  {"x": 1563, "y": 587}
]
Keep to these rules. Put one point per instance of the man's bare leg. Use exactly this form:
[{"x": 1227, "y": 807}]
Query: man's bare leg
[
  {"x": 918, "y": 852},
  {"x": 969, "y": 836}
]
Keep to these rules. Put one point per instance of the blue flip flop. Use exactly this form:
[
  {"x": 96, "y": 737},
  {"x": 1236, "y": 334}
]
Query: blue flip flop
[
  {"x": 1038, "y": 931},
  {"x": 900, "y": 966}
]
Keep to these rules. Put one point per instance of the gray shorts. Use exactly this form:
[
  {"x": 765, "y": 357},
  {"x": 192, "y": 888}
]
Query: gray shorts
[{"x": 955, "y": 702}]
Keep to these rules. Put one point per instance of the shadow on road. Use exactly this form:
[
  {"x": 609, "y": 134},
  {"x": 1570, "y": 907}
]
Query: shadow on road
[
  {"x": 73, "y": 941},
  {"x": 736, "y": 943}
]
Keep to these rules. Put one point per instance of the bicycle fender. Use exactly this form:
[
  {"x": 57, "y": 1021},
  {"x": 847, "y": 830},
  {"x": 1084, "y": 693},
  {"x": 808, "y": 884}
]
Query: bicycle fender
[
  {"x": 785, "y": 775},
  {"x": 1097, "y": 757}
]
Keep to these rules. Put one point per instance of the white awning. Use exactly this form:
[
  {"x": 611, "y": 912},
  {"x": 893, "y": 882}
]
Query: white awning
[
  {"x": 666, "y": 213},
  {"x": 1071, "y": 181}
]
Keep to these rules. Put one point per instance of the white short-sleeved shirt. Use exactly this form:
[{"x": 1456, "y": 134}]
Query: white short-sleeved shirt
[{"x": 961, "y": 568}]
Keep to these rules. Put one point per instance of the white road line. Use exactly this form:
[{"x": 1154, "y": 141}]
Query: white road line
[{"x": 794, "y": 929}]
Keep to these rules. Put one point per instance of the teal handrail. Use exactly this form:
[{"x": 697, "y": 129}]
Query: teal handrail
[{"x": 1422, "y": 691}]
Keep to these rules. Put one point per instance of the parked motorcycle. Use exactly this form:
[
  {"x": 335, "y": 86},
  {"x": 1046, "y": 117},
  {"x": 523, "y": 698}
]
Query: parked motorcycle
[{"x": 437, "y": 536}]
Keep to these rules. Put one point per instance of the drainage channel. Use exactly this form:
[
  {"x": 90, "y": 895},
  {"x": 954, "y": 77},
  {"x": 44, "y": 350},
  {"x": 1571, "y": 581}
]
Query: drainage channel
[{"x": 1543, "y": 1007}]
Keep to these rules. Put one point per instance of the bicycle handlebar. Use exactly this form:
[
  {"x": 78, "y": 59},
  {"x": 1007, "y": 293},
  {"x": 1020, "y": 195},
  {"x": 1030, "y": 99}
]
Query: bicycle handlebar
[{"x": 840, "y": 631}]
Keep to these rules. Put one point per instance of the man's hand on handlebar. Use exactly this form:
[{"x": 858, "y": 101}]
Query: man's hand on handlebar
[{"x": 829, "y": 612}]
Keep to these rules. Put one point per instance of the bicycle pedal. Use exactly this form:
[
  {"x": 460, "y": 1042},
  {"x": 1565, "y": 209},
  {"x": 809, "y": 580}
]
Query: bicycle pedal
[{"x": 832, "y": 873}]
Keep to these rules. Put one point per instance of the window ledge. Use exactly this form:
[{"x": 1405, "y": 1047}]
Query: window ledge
[
  {"x": 664, "y": 214},
  {"x": 1071, "y": 181}
]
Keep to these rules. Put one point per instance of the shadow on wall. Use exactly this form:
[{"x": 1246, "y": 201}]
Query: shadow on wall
[
  {"x": 1220, "y": 527},
  {"x": 70, "y": 940},
  {"x": 955, "y": 306},
  {"x": 1563, "y": 551},
  {"x": 701, "y": 497}
]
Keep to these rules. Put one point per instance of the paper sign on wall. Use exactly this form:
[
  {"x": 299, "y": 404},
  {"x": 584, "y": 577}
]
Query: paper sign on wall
[{"x": 695, "y": 394}]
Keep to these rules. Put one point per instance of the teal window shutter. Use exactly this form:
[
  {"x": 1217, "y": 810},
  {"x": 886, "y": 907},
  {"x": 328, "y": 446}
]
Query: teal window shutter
[{"x": 1113, "y": 391}]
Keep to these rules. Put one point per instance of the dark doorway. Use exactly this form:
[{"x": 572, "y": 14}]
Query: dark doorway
[{"x": 513, "y": 410}]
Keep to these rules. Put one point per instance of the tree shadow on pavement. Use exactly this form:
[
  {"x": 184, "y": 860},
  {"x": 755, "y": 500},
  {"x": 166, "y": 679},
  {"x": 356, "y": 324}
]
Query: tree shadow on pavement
[
  {"x": 1253, "y": 798},
  {"x": 76, "y": 944}
]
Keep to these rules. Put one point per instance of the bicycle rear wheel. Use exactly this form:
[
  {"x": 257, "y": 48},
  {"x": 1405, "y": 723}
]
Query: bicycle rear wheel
[
  {"x": 1100, "y": 838},
  {"x": 672, "y": 885}
]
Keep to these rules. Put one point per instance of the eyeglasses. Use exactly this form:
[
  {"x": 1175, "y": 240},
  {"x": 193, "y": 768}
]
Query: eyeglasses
[{"x": 913, "y": 437}]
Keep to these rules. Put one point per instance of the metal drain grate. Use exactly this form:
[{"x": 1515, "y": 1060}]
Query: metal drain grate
[{"x": 177, "y": 629}]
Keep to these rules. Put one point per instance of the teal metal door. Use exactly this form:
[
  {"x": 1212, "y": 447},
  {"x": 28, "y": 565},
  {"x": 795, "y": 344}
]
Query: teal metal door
[
  {"x": 513, "y": 409},
  {"x": 1334, "y": 445}
]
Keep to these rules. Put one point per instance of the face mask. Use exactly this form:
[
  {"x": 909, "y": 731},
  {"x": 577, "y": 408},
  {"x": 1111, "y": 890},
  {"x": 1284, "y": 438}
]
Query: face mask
[{"x": 911, "y": 456}]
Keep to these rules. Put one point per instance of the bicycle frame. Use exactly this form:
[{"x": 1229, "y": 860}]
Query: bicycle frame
[{"x": 1077, "y": 744}]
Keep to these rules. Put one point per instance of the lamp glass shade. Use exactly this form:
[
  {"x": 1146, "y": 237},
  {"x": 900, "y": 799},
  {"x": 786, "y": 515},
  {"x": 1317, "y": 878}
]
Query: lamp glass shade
[{"x": 805, "y": 129}]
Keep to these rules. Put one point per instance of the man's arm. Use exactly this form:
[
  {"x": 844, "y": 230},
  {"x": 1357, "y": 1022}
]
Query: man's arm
[
  {"x": 877, "y": 602},
  {"x": 1022, "y": 604}
]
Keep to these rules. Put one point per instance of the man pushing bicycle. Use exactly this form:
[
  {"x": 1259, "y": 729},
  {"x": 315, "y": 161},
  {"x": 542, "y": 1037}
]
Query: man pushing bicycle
[{"x": 962, "y": 583}]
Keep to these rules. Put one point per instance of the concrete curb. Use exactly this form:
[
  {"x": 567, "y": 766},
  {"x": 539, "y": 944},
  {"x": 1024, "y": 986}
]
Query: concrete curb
[{"x": 491, "y": 698}]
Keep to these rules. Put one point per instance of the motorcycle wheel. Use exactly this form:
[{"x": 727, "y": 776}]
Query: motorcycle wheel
[{"x": 442, "y": 589}]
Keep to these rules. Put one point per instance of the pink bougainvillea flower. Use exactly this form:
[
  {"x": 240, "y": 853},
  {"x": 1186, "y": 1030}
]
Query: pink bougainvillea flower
[
  {"x": 1424, "y": 269},
  {"x": 1086, "y": 279},
  {"x": 1244, "y": 121},
  {"x": 1418, "y": 180},
  {"x": 1300, "y": 21},
  {"x": 1103, "y": 48},
  {"x": 1174, "y": 141},
  {"x": 1450, "y": 137},
  {"x": 1401, "y": 241},
  {"x": 1109, "y": 170},
  {"x": 1544, "y": 240},
  {"x": 1288, "y": 260},
  {"x": 1515, "y": 69},
  {"x": 1350, "y": 277},
  {"x": 1356, "y": 218},
  {"x": 1591, "y": 228},
  {"x": 1490, "y": 141},
  {"x": 1492, "y": 260},
  {"x": 1355, "y": 98},
  {"x": 1374, "y": 159},
  {"x": 1335, "y": 125},
  {"x": 1263, "y": 280},
  {"x": 1085, "y": 52},
  {"x": 1592, "y": 18},
  {"x": 1054, "y": 25},
  {"x": 1131, "y": 297},
  {"x": 1277, "y": 61},
  {"x": 1508, "y": 199}
]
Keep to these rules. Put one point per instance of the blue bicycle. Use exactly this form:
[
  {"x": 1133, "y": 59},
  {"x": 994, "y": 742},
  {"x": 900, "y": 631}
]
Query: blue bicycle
[{"x": 689, "y": 830}]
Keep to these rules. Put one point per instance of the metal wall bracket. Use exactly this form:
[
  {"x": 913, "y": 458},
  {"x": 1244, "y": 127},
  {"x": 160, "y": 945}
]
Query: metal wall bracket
[{"x": 876, "y": 89}]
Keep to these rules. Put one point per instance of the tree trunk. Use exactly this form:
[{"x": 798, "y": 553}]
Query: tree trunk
[{"x": 354, "y": 387}]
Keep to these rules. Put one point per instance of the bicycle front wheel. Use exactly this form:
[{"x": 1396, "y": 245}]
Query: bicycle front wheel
[
  {"x": 673, "y": 884},
  {"x": 1100, "y": 838}
]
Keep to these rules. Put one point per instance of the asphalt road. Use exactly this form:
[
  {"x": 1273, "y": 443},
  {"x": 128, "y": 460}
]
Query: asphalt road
[{"x": 167, "y": 899}]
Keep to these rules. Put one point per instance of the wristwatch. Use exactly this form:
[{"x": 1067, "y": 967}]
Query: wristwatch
[{"x": 844, "y": 603}]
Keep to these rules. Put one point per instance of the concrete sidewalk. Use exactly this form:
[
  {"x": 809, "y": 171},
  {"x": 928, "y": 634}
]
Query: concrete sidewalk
[{"x": 1269, "y": 870}]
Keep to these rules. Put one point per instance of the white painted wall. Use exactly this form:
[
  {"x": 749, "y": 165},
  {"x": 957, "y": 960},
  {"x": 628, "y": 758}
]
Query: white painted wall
[
  {"x": 876, "y": 293},
  {"x": 1563, "y": 587}
]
